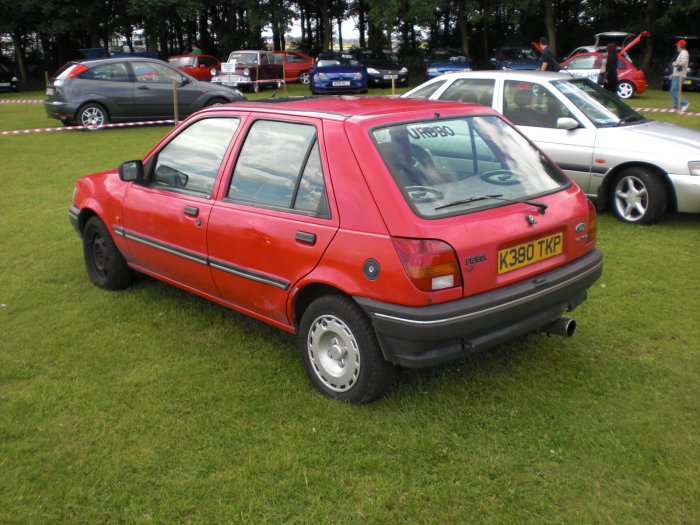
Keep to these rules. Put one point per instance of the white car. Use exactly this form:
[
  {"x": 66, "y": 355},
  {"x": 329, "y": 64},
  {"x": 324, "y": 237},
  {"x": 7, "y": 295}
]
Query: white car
[{"x": 638, "y": 166}]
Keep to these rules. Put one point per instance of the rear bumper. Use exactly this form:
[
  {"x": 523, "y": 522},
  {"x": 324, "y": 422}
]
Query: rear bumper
[
  {"x": 60, "y": 110},
  {"x": 417, "y": 337}
]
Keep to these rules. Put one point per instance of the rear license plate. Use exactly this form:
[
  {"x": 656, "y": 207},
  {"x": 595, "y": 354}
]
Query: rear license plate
[
  {"x": 4, "y": 84},
  {"x": 341, "y": 83},
  {"x": 529, "y": 252},
  {"x": 389, "y": 77},
  {"x": 49, "y": 91},
  {"x": 687, "y": 82}
]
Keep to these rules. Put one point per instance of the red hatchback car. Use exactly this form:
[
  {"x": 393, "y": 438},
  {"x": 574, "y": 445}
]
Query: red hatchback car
[
  {"x": 382, "y": 231},
  {"x": 631, "y": 81},
  {"x": 296, "y": 65},
  {"x": 198, "y": 66}
]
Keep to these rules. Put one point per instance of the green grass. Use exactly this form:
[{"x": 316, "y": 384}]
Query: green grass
[{"x": 152, "y": 405}]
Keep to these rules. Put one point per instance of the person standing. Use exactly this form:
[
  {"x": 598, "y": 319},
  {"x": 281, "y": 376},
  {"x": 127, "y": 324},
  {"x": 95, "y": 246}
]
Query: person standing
[
  {"x": 549, "y": 63},
  {"x": 679, "y": 70},
  {"x": 610, "y": 69},
  {"x": 195, "y": 49}
]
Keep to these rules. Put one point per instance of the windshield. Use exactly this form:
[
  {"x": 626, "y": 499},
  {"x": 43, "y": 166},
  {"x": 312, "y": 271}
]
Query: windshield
[
  {"x": 243, "y": 58},
  {"x": 182, "y": 61},
  {"x": 602, "y": 107},
  {"x": 4, "y": 69},
  {"x": 453, "y": 55},
  {"x": 378, "y": 54},
  {"x": 522, "y": 53},
  {"x": 448, "y": 167}
]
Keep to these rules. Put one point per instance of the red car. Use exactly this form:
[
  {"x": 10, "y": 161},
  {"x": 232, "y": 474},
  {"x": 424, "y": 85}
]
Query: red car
[
  {"x": 198, "y": 66},
  {"x": 296, "y": 65},
  {"x": 382, "y": 231},
  {"x": 631, "y": 81}
]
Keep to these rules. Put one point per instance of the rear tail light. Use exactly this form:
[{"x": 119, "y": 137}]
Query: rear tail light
[
  {"x": 71, "y": 72},
  {"x": 592, "y": 222},
  {"x": 430, "y": 264}
]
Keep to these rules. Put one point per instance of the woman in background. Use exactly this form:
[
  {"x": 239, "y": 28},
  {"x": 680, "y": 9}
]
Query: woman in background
[{"x": 610, "y": 71}]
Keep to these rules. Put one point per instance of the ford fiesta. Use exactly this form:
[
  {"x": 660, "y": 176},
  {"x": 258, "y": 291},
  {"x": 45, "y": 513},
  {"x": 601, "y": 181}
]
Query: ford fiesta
[{"x": 383, "y": 232}]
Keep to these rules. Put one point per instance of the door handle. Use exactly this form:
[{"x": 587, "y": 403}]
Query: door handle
[
  {"x": 143, "y": 87},
  {"x": 191, "y": 211},
  {"x": 305, "y": 237}
]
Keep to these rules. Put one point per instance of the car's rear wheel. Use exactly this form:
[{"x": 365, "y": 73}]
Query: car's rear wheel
[
  {"x": 92, "y": 116},
  {"x": 639, "y": 196},
  {"x": 105, "y": 265},
  {"x": 625, "y": 89},
  {"x": 255, "y": 88},
  {"x": 340, "y": 351},
  {"x": 304, "y": 77}
]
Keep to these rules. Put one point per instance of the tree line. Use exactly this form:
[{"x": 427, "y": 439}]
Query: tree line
[{"x": 47, "y": 33}]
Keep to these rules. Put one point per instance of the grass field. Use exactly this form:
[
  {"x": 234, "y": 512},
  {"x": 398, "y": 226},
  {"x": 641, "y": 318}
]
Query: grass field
[{"x": 153, "y": 406}]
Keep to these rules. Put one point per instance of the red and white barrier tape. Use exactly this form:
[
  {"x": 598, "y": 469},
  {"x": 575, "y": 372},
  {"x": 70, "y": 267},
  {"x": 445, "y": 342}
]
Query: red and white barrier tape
[
  {"x": 92, "y": 128},
  {"x": 20, "y": 101},
  {"x": 666, "y": 110}
]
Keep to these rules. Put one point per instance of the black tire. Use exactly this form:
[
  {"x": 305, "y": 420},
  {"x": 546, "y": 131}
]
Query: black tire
[
  {"x": 638, "y": 196},
  {"x": 340, "y": 352},
  {"x": 105, "y": 265},
  {"x": 92, "y": 115},
  {"x": 304, "y": 77}
]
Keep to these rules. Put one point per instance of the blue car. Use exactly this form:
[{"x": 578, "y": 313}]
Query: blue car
[
  {"x": 337, "y": 72},
  {"x": 516, "y": 58},
  {"x": 446, "y": 60}
]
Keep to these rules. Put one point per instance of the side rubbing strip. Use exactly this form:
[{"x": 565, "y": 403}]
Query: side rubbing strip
[
  {"x": 247, "y": 274},
  {"x": 166, "y": 248}
]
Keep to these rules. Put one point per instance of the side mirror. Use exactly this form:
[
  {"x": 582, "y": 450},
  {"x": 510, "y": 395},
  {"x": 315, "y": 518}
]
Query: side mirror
[
  {"x": 132, "y": 171},
  {"x": 567, "y": 123}
]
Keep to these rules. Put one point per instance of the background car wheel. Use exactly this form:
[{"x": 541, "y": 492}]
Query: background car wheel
[
  {"x": 215, "y": 102},
  {"x": 639, "y": 196},
  {"x": 340, "y": 352},
  {"x": 92, "y": 115},
  {"x": 255, "y": 88},
  {"x": 304, "y": 77},
  {"x": 105, "y": 265},
  {"x": 625, "y": 89}
]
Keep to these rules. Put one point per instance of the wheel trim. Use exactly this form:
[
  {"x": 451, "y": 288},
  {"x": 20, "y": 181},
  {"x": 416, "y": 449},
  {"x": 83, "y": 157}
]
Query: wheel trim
[
  {"x": 304, "y": 78},
  {"x": 631, "y": 198},
  {"x": 99, "y": 255},
  {"x": 333, "y": 353},
  {"x": 625, "y": 90},
  {"x": 92, "y": 117}
]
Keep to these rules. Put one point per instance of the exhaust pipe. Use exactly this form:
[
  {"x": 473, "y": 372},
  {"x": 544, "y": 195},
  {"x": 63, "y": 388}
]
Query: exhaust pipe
[{"x": 564, "y": 327}]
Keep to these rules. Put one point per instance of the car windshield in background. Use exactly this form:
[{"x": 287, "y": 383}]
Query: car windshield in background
[
  {"x": 327, "y": 63},
  {"x": 182, "y": 61},
  {"x": 602, "y": 107},
  {"x": 243, "y": 58},
  {"x": 453, "y": 55},
  {"x": 518, "y": 54},
  {"x": 448, "y": 167}
]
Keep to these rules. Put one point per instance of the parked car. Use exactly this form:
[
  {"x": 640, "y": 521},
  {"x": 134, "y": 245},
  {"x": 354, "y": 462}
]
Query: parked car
[
  {"x": 622, "y": 39},
  {"x": 446, "y": 60},
  {"x": 383, "y": 66},
  {"x": 692, "y": 80},
  {"x": 8, "y": 80},
  {"x": 297, "y": 65},
  {"x": 631, "y": 81},
  {"x": 514, "y": 57},
  {"x": 197, "y": 66},
  {"x": 639, "y": 167},
  {"x": 249, "y": 70},
  {"x": 338, "y": 72},
  {"x": 95, "y": 92},
  {"x": 381, "y": 231}
]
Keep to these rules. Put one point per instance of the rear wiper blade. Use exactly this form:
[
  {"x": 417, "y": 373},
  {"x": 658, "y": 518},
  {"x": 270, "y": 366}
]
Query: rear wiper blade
[{"x": 541, "y": 206}]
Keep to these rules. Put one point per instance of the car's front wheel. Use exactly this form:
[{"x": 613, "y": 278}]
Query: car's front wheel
[
  {"x": 340, "y": 351},
  {"x": 304, "y": 77},
  {"x": 639, "y": 196},
  {"x": 105, "y": 265},
  {"x": 92, "y": 116},
  {"x": 625, "y": 89}
]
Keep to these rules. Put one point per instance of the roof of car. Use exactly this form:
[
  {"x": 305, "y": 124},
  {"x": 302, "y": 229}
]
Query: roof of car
[
  {"x": 343, "y": 107},
  {"x": 526, "y": 75}
]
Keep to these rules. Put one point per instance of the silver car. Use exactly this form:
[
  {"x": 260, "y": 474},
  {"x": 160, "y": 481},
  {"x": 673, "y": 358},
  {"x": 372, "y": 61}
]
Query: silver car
[
  {"x": 639, "y": 167},
  {"x": 94, "y": 92}
]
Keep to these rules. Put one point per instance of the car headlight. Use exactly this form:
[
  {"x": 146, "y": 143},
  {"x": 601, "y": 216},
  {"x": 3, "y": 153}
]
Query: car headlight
[
  {"x": 432, "y": 70},
  {"x": 246, "y": 72},
  {"x": 358, "y": 76},
  {"x": 213, "y": 71},
  {"x": 322, "y": 76},
  {"x": 372, "y": 71},
  {"x": 403, "y": 71},
  {"x": 15, "y": 79},
  {"x": 504, "y": 68},
  {"x": 694, "y": 167}
]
